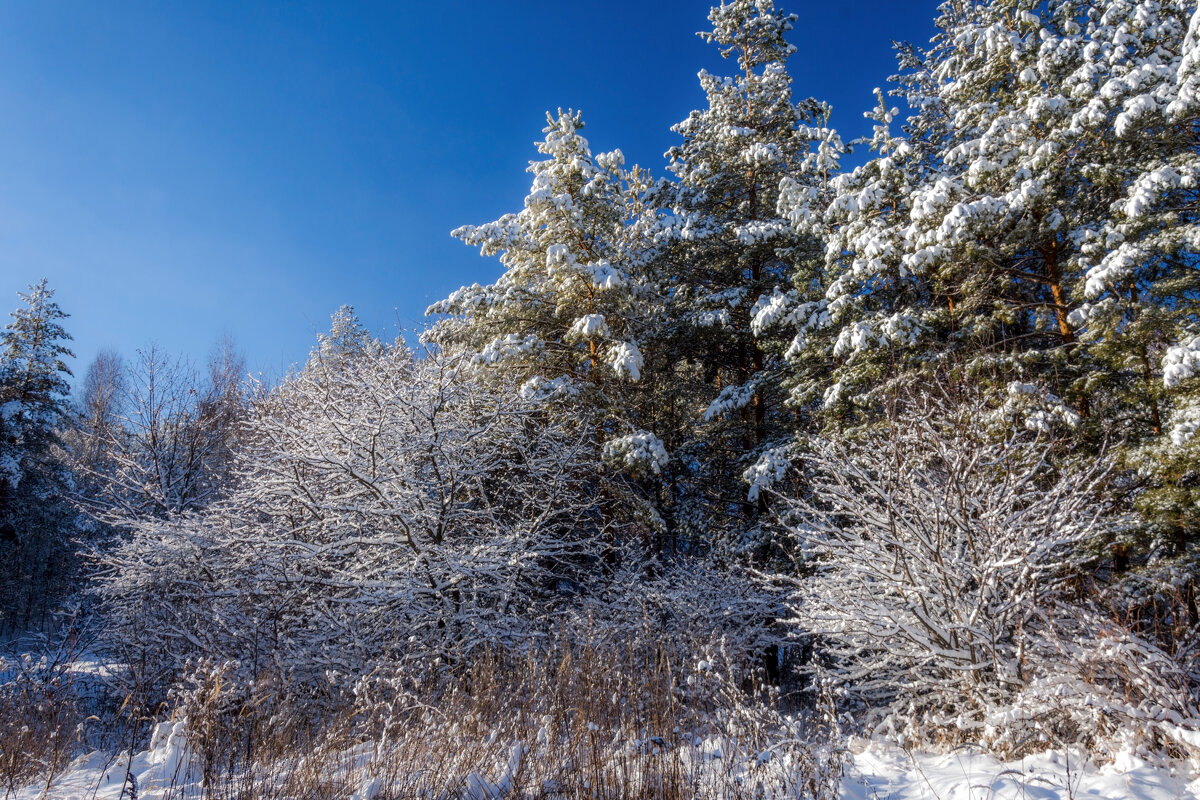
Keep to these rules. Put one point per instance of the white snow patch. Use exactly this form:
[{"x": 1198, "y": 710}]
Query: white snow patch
[{"x": 881, "y": 771}]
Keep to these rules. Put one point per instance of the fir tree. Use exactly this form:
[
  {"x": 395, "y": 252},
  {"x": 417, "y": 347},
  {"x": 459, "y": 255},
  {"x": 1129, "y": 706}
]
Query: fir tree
[{"x": 33, "y": 480}]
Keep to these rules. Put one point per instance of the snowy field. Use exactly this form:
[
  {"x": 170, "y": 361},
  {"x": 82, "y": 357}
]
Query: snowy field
[
  {"x": 880, "y": 772},
  {"x": 876, "y": 772}
]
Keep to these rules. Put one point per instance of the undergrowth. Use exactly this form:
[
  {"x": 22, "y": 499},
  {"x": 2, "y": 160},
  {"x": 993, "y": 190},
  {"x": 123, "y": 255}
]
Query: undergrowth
[{"x": 592, "y": 718}]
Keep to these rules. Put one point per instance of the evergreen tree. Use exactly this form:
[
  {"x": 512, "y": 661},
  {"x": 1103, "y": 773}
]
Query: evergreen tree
[
  {"x": 735, "y": 272},
  {"x": 34, "y": 520},
  {"x": 1032, "y": 232},
  {"x": 1139, "y": 277},
  {"x": 568, "y": 317},
  {"x": 565, "y": 314},
  {"x": 869, "y": 292},
  {"x": 346, "y": 338},
  {"x": 957, "y": 244}
]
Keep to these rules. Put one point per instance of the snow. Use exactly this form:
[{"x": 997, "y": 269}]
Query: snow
[
  {"x": 855, "y": 337},
  {"x": 10, "y": 471},
  {"x": 757, "y": 231},
  {"x": 1149, "y": 188},
  {"x": 1135, "y": 109},
  {"x": 626, "y": 360},
  {"x": 968, "y": 774},
  {"x": 768, "y": 470},
  {"x": 154, "y": 773},
  {"x": 510, "y": 346},
  {"x": 997, "y": 189},
  {"x": 731, "y": 398},
  {"x": 558, "y": 254},
  {"x": 539, "y": 390},
  {"x": 589, "y": 326},
  {"x": 604, "y": 276},
  {"x": 1041, "y": 410},
  {"x": 641, "y": 453},
  {"x": 1185, "y": 422},
  {"x": 9, "y": 410},
  {"x": 1181, "y": 362},
  {"x": 762, "y": 154},
  {"x": 875, "y": 770}
]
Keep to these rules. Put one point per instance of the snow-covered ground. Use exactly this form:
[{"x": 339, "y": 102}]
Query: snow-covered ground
[
  {"x": 966, "y": 774},
  {"x": 101, "y": 776},
  {"x": 877, "y": 772}
]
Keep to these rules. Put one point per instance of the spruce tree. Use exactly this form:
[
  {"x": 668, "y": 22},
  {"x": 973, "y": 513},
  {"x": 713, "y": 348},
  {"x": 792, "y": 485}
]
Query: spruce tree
[{"x": 34, "y": 518}]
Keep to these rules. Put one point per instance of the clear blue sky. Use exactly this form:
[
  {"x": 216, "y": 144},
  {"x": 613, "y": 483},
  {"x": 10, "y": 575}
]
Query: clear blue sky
[{"x": 182, "y": 169}]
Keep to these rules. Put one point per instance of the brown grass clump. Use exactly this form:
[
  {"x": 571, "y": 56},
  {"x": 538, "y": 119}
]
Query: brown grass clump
[{"x": 41, "y": 716}]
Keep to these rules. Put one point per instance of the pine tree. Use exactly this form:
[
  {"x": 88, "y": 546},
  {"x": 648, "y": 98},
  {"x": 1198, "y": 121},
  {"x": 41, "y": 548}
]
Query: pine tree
[
  {"x": 565, "y": 314},
  {"x": 346, "y": 339},
  {"x": 956, "y": 247},
  {"x": 737, "y": 273},
  {"x": 567, "y": 319},
  {"x": 1032, "y": 232},
  {"x": 33, "y": 479},
  {"x": 1139, "y": 274},
  {"x": 873, "y": 304}
]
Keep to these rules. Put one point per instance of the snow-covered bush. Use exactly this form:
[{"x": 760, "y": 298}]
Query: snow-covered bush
[
  {"x": 386, "y": 506},
  {"x": 941, "y": 573},
  {"x": 674, "y": 604}
]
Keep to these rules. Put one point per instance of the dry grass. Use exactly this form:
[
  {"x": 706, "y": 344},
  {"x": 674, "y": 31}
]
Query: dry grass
[
  {"x": 594, "y": 719},
  {"x": 41, "y": 716}
]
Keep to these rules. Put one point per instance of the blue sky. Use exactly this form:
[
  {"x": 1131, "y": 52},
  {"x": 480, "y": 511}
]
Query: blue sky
[{"x": 183, "y": 170}]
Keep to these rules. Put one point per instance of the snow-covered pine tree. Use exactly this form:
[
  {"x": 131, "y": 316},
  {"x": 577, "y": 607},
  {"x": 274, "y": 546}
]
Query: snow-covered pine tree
[
  {"x": 957, "y": 246},
  {"x": 564, "y": 316},
  {"x": 33, "y": 479},
  {"x": 1033, "y": 232},
  {"x": 1138, "y": 263},
  {"x": 869, "y": 292},
  {"x": 567, "y": 318},
  {"x": 737, "y": 275}
]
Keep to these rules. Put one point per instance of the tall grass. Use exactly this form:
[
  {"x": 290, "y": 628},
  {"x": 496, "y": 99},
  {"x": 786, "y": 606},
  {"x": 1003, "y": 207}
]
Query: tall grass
[{"x": 582, "y": 717}]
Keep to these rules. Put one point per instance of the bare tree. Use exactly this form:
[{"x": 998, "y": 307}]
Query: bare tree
[
  {"x": 161, "y": 439},
  {"x": 940, "y": 572},
  {"x": 386, "y": 506},
  {"x": 99, "y": 412},
  {"x": 222, "y": 407}
]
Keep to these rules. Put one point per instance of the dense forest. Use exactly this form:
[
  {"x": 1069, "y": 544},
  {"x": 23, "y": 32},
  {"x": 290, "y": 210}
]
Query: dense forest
[{"x": 767, "y": 443}]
